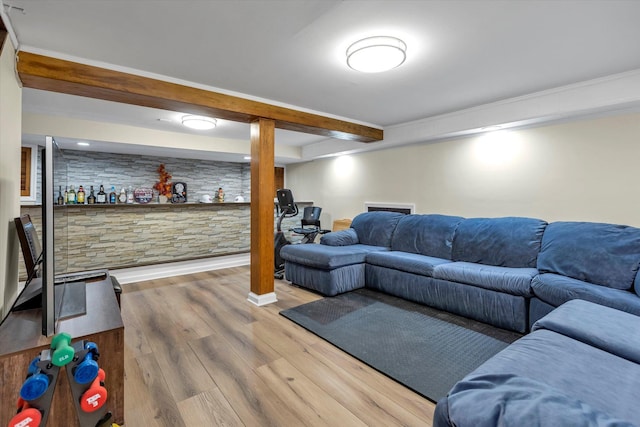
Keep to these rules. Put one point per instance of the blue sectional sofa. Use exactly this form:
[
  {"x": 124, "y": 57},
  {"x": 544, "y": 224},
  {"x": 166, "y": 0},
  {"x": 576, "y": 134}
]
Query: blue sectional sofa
[
  {"x": 575, "y": 285},
  {"x": 580, "y": 366},
  {"x": 508, "y": 272}
]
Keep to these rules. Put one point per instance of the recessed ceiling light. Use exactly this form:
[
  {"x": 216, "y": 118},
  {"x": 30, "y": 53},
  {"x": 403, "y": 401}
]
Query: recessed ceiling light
[
  {"x": 247, "y": 157},
  {"x": 199, "y": 122},
  {"x": 376, "y": 54},
  {"x": 84, "y": 144}
]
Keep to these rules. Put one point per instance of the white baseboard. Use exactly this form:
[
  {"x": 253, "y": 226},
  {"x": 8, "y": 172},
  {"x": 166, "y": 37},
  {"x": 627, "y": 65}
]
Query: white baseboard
[
  {"x": 158, "y": 271},
  {"x": 263, "y": 299}
]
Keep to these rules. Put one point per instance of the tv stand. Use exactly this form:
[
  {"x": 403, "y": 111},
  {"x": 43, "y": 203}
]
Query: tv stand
[{"x": 21, "y": 340}]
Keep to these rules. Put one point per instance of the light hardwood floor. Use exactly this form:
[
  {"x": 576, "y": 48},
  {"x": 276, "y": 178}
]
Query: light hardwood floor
[{"x": 197, "y": 353}]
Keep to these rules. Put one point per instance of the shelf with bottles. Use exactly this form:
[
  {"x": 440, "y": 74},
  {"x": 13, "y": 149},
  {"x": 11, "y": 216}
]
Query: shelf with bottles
[{"x": 153, "y": 205}]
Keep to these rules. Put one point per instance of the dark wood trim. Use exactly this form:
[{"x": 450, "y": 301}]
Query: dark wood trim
[
  {"x": 262, "y": 174},
  {"x": 25, "y": 171},
  {"x": 278, "y": 180},
  {"x": 58, "y": 75}
]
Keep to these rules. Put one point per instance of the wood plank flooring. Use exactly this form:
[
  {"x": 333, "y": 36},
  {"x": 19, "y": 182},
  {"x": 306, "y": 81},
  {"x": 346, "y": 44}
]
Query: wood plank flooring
[{"x": 197, "y": 353}]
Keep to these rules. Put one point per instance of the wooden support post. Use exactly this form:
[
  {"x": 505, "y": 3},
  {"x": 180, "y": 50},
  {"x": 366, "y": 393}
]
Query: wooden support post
[{"x": 262, "y": 181}]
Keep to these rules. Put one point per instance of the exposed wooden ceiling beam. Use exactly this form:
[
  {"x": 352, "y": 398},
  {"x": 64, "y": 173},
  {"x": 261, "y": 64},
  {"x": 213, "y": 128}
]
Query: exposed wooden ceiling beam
[{"x": 58, "y": 75}]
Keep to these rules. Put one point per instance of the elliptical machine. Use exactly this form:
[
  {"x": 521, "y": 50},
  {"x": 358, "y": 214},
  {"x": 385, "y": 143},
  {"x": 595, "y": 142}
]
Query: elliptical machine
[{"x": 288, "y": 209}]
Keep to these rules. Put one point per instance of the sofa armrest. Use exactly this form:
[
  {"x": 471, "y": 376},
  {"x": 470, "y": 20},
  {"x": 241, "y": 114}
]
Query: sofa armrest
[
  {"x": 340, "y": 238},
  {"x": 614, "y": 331}
]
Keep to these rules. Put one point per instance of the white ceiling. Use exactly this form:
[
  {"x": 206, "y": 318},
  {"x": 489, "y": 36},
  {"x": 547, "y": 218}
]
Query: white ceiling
[{"x": 461, "y": 54}]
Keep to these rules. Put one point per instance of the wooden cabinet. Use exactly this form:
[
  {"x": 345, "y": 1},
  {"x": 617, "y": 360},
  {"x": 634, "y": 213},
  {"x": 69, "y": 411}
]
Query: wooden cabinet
[
  {"x": 21, "y": 341},
  {"x": 278, "y": 179}
]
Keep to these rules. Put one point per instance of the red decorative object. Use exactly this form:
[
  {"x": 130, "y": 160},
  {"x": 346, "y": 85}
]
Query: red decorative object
[{"x": 163, "y": 186}]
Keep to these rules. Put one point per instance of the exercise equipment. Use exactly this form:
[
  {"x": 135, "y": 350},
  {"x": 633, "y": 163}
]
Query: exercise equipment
[
  {"x": 288, "y": 209},
  {"x": 36, "y": 393},
  {"x": 26, "y": 416},
  {"x": 62, "y": 351},
  {"x": 310, "y": 227},
  {"x": 87, "y": 369},
  {"x": 310, "y": 224},
  {"x": 96, "y": 395},
  {"x": 36, "y": 383},
  {"x": 86, "y": 380}
]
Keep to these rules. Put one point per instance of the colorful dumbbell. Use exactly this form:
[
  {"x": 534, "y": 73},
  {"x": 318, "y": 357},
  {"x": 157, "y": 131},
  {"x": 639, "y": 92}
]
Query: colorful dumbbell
[
  {"x": 87, "y": 370},
  {"x": 96, "y": 395},
  {"x": 26, "y": 416},
  {"x": 36, "y": 384},
  {"x": 61, "y": 350}
]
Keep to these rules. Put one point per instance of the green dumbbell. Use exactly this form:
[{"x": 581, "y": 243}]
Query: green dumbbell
[{"x": 61, "y": 350}]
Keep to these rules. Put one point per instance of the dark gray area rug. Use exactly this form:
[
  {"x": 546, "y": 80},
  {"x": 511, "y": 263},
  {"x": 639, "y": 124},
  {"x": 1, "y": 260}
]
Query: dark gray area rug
[{"x": 426, "y": 350}]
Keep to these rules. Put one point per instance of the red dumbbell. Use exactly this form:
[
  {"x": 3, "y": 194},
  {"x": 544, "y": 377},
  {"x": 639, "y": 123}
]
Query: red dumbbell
[
  {"x": 26, "y": 416},
  {"x": 96, "y": 395}
]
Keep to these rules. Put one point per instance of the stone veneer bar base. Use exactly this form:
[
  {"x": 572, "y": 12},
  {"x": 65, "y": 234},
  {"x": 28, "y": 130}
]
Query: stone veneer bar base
[{"x": 129, "y": 236}]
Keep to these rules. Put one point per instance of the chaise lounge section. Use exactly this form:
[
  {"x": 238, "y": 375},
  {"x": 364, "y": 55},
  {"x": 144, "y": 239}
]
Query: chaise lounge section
[
  {"x": 338, "y": 264},
  {"x": 580, "y": 366}
]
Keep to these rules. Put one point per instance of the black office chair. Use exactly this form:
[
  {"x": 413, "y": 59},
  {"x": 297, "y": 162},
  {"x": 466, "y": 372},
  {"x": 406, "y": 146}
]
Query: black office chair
[{"x": 310, "y": 224}]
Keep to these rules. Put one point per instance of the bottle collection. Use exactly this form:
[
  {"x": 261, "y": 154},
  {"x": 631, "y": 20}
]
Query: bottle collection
[
  {"x": 71, "y": 196},
  {"x": 89, "y": 195}
]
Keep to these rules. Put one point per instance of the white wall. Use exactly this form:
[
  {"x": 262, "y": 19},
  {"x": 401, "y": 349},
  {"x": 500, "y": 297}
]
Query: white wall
[
  {"x": 584, "y": 170},
  {"x": 10, "y": 141}
]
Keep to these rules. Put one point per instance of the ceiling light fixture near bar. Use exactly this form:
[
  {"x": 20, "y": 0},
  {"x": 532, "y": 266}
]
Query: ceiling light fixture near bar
[
  {"x": 376, "y": 54},
  {"x": 199, "y": 122}
]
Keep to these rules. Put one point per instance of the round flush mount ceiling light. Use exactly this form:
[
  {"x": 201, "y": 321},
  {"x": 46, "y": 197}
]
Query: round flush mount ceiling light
[
  {"x": 199, "y": 122},
  {"x": 376, "y": 54}
]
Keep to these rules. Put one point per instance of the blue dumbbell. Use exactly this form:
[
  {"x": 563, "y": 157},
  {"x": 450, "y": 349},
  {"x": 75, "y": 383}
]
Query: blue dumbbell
[
  {"x": 87, "y": 370},
  {"x": 36, "y": 383}
]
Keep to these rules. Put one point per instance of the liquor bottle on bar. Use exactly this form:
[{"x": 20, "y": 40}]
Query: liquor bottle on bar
[
  {"x": 92, "y": 198},
  {"x": 71, "y": 197},
  {"x": 112, "y": 195},
  {"x": 66, "y": 195},
  {"x": 60, "y": 198},
  {"x": 122, "y": 197},
  {"x": 80, "y": 196},
  {"x": 102, "y": 196},
  {"x": 130, "y": 198}
]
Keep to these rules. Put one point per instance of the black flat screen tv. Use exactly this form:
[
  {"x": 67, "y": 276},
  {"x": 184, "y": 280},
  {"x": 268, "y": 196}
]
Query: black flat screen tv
[
  {"x": 50, "y": 156},
  {"x": 40, "y": 290}
]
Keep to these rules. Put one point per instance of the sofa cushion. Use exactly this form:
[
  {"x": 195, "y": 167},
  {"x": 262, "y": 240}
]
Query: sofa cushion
[
  {"x": 504, "y": 242},
  {"x": 430, "y": 235},
  {"x": 327, "y": 257},
  {"x": 509, "y": 400},
  {"x": 604, "y": 254},
  {"x": 515, "y": 281},
  {"x": 327, "y": 282},
  {"x": 556, "y": 290},
  {"x": 595, "y": 379},
  {"x": 376, "y": 228},
  {"x": 606, "y": 328},
  {"x": 340, "y": 238},
  {"x": 404, "y": 261}
]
